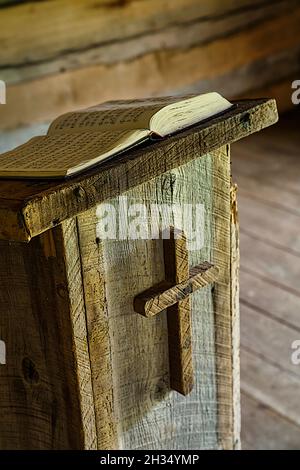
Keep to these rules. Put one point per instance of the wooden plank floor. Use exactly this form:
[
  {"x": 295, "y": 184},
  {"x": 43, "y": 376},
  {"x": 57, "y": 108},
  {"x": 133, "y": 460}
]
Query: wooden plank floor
[{"x": 266, "y": 168}]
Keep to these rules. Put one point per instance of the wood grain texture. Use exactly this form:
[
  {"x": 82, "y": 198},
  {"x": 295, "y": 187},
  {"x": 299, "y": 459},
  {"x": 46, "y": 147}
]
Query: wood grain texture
[
  {"x": 168, "y": 68},
  {"x": 100, "y": 23},
  {"x": 279, "y": 303},
  {"x": 267, "y": 172},
  {"x": 146, "y": 412},
  {"x": 262, "y": 259},
  {"x": 235, "y": 315},
  {"x": 37, "y": 206},
  {"x": 165, "y": 294},
  {"x": 115, "y": 362},
  {"x": 242, "y": 83},
  {"x": 270, "y": 385},
  {"x": 46, "y": 396},
  {"x": 274, "y": 432},
  {"x": 268, "y": 194},
  {"x": 176, "y": 264},
  {"x": 70, "y": 258},
  {"x": 277, "y": 350},
  {"x": 100, "y": 347},
  {"x": 124, "y": 33},
  {"x": 256, "y": 214},
  {"x": 221, "y": 246}
]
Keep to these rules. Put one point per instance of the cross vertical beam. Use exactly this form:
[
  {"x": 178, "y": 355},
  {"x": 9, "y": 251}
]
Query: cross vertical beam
[
  {"x": 179, "y": 315},
  {"x": 172, "y": 295}
]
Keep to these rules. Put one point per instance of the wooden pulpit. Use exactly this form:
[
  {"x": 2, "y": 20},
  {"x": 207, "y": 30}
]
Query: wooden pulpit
[{"x": 126, "y": 342}]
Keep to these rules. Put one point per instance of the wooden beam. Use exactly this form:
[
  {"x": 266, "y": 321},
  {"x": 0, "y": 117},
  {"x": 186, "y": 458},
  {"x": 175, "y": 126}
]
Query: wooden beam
[
  {"x": 164, "y": 33},
  {"x": 242, "y": 83},
  {"x": 42, "y": 205},
  {"x": 164, "y": 295},
  {"x": 45, "y": 205},
  {"x": 179, "y": 319},
  {"x": 235, "y": 315},
  {"x": 46, "y": 390},
  {"x": 151, "y": 74},
  {"x": 265, "y": 429},
  {"x": 41, "y": 31},
  {"x": 94, "y": 278},
  {"x": 140, "y": 345}
]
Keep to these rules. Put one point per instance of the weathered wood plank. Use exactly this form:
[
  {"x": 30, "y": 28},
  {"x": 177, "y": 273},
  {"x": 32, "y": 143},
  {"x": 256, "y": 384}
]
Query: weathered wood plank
[
  {"x": 280, "y": 158},
  {"x": 264, "y": 169},
  {"x": 97, "y": 315},
  {"x": 271, "y": 223},
  {"x": 269, "y": 338},
  {"x": 267, "y": 260},
  {"x": 271, "y": 385},
  {"x": 235, "y": 315},
  {"x": 271, "y": 160},
  {"x": 164, "y": 294},
  {"x": 59, "y": 201},
  {"x": 273, "y": 431},
  {"x": 106, "y": 39},
  {"x": 267, "y": 171},
  {"x": 139, "y": 346},
  {"x": 30, "y": 36},
  {"x": 268, "y": 194},
  {"x": 46, "y": 396},
  {"x": 222, "y": 298},
  {"x": 263, "y": 294},
  {"x": 65, "y": 245},
  {"x": 242, "y": 82},
  {"x": 87, "y": 85},
  {"x": 176, "y": 265}
]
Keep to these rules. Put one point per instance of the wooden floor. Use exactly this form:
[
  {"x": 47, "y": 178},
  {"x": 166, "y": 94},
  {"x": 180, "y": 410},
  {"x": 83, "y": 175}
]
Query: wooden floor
[{"x": 266, "y": 167}]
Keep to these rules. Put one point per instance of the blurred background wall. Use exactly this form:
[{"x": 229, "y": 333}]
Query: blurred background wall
[{"x": 58, "y": 55}]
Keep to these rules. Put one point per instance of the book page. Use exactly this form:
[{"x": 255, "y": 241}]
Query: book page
[
  {"x": 66, "y": 153},
  {"x": 122, "y": 115},
  {"x": 192, "y": 110}
]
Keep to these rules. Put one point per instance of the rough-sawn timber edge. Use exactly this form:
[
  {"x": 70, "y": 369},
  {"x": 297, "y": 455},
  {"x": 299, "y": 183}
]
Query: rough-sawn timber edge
[{"x": 47, "y": 204}]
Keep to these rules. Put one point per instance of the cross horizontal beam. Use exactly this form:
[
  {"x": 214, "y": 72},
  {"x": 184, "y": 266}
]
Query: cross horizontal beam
[{"x": 163, "y": 295}]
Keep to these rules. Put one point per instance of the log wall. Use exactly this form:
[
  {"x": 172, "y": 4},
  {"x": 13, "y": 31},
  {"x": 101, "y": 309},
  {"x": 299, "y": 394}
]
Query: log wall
[{"x": 58, "y": 55}]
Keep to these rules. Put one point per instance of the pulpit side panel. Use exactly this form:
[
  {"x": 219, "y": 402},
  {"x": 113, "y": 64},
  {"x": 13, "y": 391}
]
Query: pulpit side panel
[
  {"x": 135, "y": 408},
  {"x": 46, "y": 399}
]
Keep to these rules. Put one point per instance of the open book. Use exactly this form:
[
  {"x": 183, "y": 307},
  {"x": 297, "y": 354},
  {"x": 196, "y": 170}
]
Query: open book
[{"x": 79, "y": 140}]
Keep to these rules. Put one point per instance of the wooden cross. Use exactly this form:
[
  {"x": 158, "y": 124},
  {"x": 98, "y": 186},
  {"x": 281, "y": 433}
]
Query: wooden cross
[{"x": 173, "y": 294}]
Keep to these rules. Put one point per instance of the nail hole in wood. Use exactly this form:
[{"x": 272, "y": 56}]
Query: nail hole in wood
[
  {"x": 245, "y": 120},
  {"x": 30, "y": 372},
  {"x": 78, "y": 192},
  {"x": 61, "y": 290}
]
